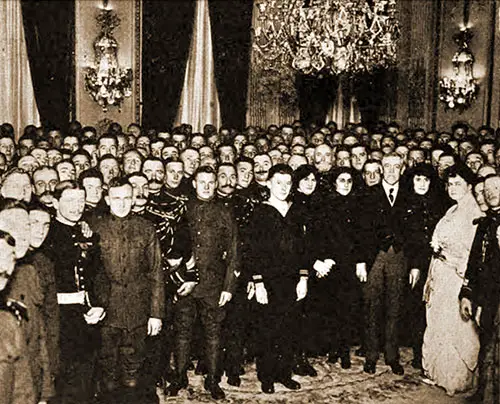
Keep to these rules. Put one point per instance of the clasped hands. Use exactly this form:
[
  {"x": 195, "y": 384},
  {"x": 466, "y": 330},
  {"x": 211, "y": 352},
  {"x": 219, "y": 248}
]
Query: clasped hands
[
  {"x": 259, "y": 291},
  {"x": 466, "y": 311}
]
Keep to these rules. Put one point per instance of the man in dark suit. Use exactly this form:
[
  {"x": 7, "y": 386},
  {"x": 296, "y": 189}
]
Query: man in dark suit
[
  {"x": 386, "y": 278},
  {"x": 131, "y": 256}
]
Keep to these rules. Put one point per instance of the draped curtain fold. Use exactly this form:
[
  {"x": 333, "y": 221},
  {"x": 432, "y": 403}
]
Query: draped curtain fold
[
  {"x": 17, "y": 104},
  {"x": 231, "y": 37},
  {"x": 167, "y": 31},
  {"x": 199, "y": 103},
  {"x": 48, "y": 27}
]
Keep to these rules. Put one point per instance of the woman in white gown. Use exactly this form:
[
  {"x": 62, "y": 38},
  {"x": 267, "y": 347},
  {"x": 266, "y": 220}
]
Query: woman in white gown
[{"x": 451, "y": 344}]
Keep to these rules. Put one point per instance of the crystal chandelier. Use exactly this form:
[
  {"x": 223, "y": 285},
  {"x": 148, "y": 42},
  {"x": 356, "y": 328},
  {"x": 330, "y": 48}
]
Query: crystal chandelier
[
  {"x": 458, "y": 91},
  {"x": 326, "y": 36},
  {"x": 107, "y": 83}
]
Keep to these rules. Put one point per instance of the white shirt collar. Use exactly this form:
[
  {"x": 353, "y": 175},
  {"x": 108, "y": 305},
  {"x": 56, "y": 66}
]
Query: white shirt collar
[{"x": 387, "y": 188}]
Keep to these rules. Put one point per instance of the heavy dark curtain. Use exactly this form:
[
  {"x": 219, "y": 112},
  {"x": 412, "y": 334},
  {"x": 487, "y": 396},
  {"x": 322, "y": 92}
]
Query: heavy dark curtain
[
  {"x": 316, "y": 95},
  {"x": 231, "y": 38},
  {"x": 48, "y": 27},
  {"x": 167, "y": 31}
]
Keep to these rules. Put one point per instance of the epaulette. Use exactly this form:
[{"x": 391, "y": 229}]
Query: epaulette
[{"x": 18, "y": 309}]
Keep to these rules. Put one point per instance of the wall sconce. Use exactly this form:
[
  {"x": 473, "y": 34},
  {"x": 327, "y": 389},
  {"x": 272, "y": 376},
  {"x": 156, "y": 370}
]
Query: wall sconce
[
  {"x": 106, "y": 82},
  {"x": 458, "y": 91}
]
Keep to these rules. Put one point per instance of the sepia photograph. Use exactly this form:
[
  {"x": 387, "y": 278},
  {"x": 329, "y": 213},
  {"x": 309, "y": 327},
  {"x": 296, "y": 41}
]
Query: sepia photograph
[{"x": 250, "y": 201}]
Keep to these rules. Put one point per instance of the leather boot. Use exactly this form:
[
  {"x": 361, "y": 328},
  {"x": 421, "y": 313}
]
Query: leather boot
[
  {"x": 213, "y": 387},
  {"x": 303, "y": 367}
]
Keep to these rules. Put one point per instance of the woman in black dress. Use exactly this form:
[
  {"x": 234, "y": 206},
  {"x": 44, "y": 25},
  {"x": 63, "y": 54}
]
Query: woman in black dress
[
  {"x": 275, "y": 262},
  {"x": 337, "y": 295},
  {"x": 426, "y": 207},
  {"x": 306, "y": 208}
]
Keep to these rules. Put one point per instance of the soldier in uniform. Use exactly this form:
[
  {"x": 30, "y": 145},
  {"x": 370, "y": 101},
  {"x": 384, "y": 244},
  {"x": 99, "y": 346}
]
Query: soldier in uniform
[
  {"x": 131, "y": 257},
  {"x": 213, "y": 232},
  {"x": 82, "y": 292},
  {"x": 16, "y": 383},
  {"x": 25, "y": 289}
]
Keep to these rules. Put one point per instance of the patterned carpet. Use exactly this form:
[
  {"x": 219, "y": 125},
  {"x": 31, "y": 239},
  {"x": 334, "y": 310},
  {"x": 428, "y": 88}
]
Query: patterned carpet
[{"x": 333, "y": 385}]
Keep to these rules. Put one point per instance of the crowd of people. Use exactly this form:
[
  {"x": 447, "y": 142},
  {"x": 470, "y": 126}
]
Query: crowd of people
[{"x": 128, "y": 256}]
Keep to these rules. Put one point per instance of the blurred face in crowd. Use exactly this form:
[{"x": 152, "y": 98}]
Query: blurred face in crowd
[
  {"x": 205, "y": 185},
  {"x": 226, "y": 180},
  {"x": 317, "y": 138},
  {"x": 119, "y": 200},
  {"x": 131, "y": 162},
  {"x": 17, "y": 186},
  {"x": 7, "y": 262},
  {"x": 457, "y": 188},
  {"x": 415, "y": 157},
  {"x": 25, "y": 146},
  {"x": 174, "y": 172},
  {"x": 169, "y": 152},
  {"x": 109, "y": 169},
  {"x": 358, "y": 157},
  {"x": 249, "y": 151},
  {"x": 308, "y": 184},
  {"x": 107, "y": 146},
  {"x": 323, "y": 158},
  {"x": 44, "y": 183},
  {"x": 485, "y": 170},
  {"x": 296, "y": 161},
  {"x": 287, "y": 134},
  {"x": 8, "y": 148},
  {"x": 299, "y": 140},
  {"x": 403, "y": 152},
  {"x": 122, "y": 145},
  {"x": 280, "y": 186},
  {"x": 372, "y": 174},
  {"x": 492, "y": 192},
  {"x": 155, "y": 172},
  {"x": 387, "y": 145},
  {"x": 464, "y": 149},
  {"x": 40, "y": 155},
  {"x": 209, "y": 161},
  {"x": 298, "y": 149},
  {"x": 474, "y": 161},
  {"x": 435, "y": 157},
  {"x": 143, "y": 143},
  {"x": 179, "y": 141},
  {"x": 226, "y": 154},
  {"x": 276, "y": 157},
  {"x": 350, "y": 140},
  {"x": 239, "y": 142},
  {"x": 16, "y": 222},
  {"x": 156, "y": 148},
  {"x": 91, "y": 149},
  {"x": 93, "y": 190},
  {"x": 479, "y": 195},
  {"x": 454, "y": 145},
  {"x": 262, "y": 145},
  {"x": 66, "y": 171},
  {"x": 488, "y": 152},
  {"x": 443, "y": 163},
  {"x": 421, "y": 184},
  {"x": 70, "y": 205},
  {"x": 81, "y": 163},
  {"x": 140, "y": 192},
  {"x": 71, "y": 143},
  {"x": 55, "y": 138},
  {"x": 28, "y": 164},
  {"x": 276, "y": 140},
  {"x": 206, "y": 152},
  {"x": 261, "y": 165},
  {"x": 343, "y": 184},
  {"x": 197, "y": 141},
  {"x": 191, "y": 160},
  {"x": 244, "y": 171},
  {"x": 134, "y": 130},
  {"x": 39, "y": 227},
  {"x": 392, "y": 167},
  {"x": 343, "y": 158}
]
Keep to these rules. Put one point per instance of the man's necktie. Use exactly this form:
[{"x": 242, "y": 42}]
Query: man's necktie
[{"x": 391, "y": 195}]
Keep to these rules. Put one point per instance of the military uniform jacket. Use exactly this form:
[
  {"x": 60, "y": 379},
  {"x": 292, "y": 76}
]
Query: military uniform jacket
[
  {"x": 16, "y": 382},
  {"x": 482, "y": 277},
  {"x": 131, "y": 257},
  {"x": 215, "y": 244}
]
